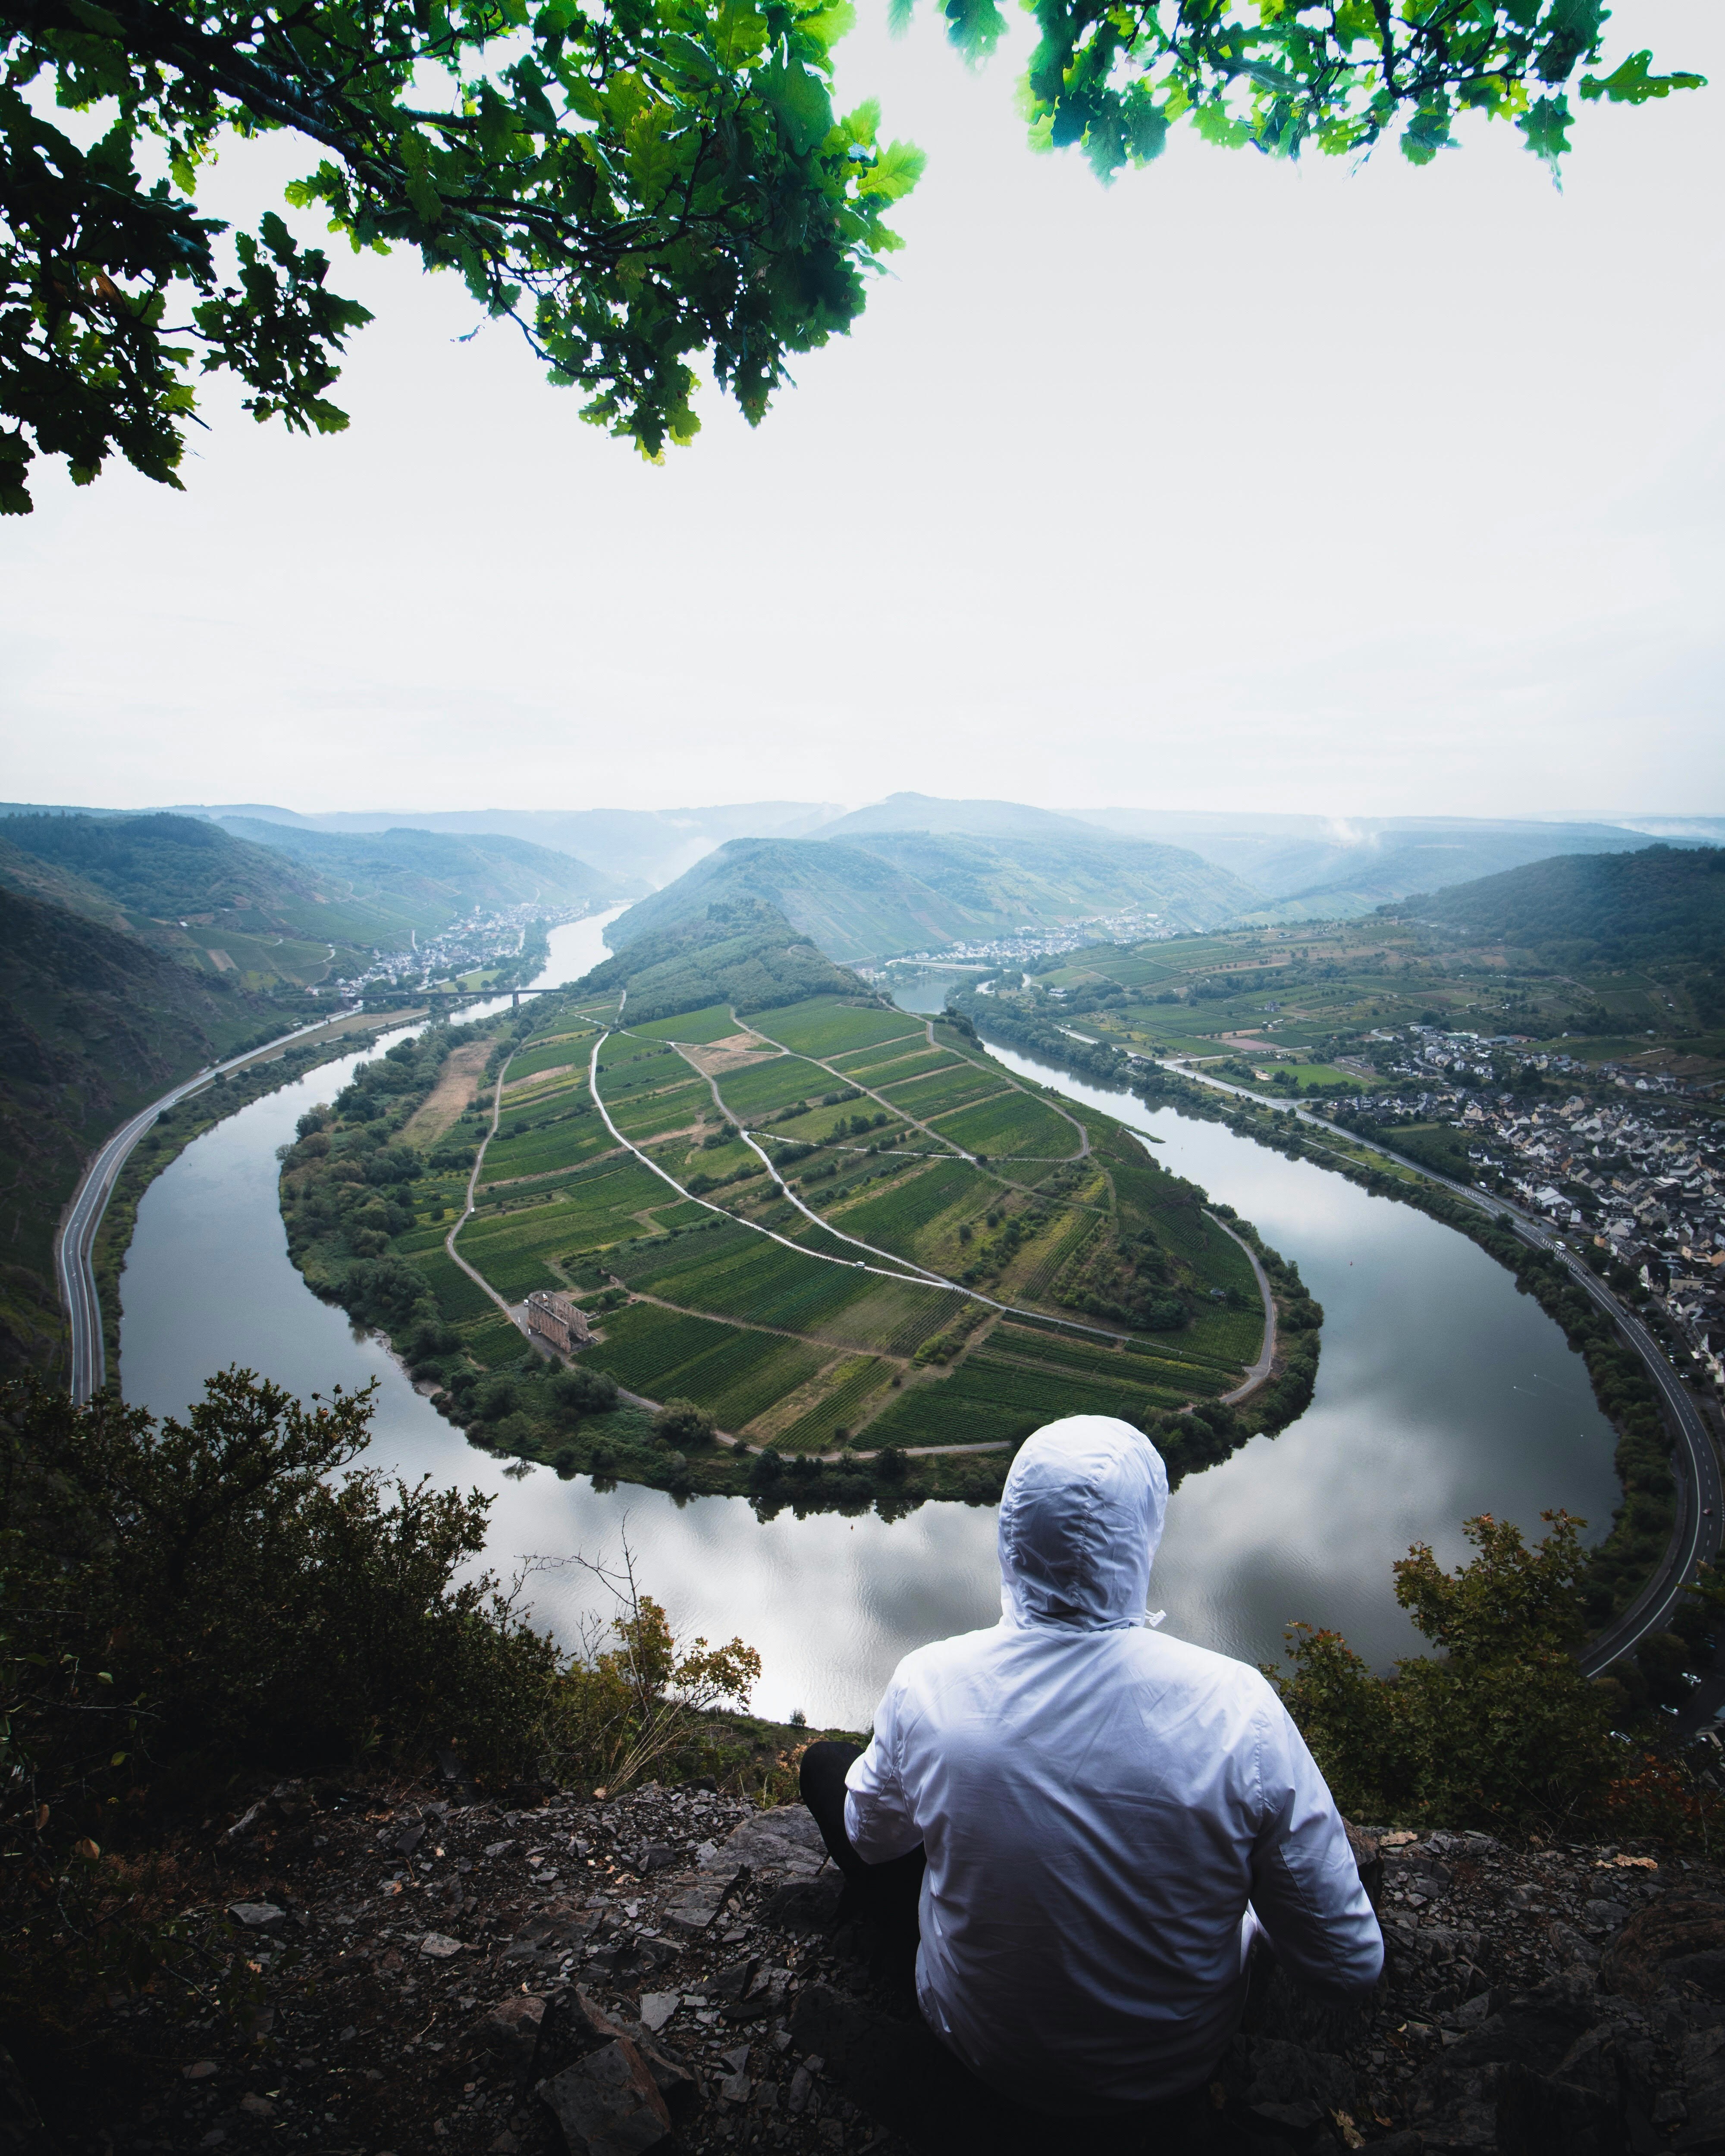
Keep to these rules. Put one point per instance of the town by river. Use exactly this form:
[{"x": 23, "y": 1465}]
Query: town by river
[{"x": 1442, "y": 1393}]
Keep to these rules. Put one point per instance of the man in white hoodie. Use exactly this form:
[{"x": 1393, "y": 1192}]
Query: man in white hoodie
[{"x": 1108, "y": 1816}]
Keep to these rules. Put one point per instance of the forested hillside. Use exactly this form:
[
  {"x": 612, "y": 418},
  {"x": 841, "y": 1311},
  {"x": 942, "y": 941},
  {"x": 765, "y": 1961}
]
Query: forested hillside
[
  {"x": 429, "y": 877},
  {"x": 742, "y": 952},
  {"x": 93, "y": 1023},
  {"x": 1600, "y": 909},
  {"x": 874, "y": 894}
]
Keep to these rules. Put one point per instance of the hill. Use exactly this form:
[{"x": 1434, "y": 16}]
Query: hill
[
  {"x": 875, "y": 894},
  {"x": 1327, "y": 868},
  {"x": 1600, "y": 909},
  {"x": 926, "y": 812},
  {"x": 93, "y": 1023},
  {"x": 430, "y": 878},
  {"x": 636, "y": 848},
  {"x": 738, "y": 951},
  {"x": 265, "y": 906}
]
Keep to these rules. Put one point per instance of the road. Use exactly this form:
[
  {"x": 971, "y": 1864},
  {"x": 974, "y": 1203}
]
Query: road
[
  {"x": 1696, "y": 1535},
  {"x": 75, "y": 1244}
]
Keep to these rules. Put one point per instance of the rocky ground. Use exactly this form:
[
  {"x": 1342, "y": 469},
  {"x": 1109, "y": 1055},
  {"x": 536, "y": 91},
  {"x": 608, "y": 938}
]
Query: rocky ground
[{"x": 664, "y": 1970}]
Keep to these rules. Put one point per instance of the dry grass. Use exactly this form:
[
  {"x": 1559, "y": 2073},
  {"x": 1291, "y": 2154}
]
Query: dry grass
[
  {"x": 714, "y": 1058},
  {"x": 457, "y": 1082}
]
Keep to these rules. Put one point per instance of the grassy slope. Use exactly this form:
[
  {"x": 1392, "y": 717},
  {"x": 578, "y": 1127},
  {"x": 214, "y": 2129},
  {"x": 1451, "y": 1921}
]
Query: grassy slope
[{"x": 93, "y": 1023}]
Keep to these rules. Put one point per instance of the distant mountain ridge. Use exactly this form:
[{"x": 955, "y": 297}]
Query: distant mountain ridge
[
  {"x": 263, "y": 903},
  {"x": 427, "y": 874},
  {"x": 874, "y": 895},
  {"x": 1313, "y": 868}
]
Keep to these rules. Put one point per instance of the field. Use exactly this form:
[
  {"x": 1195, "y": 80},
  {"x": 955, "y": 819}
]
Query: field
[
  {"x": 1014, "y": 1123},
  {"x": 826, "y": 1029},
  {"x": 714, "y": 1022},
  {"x": 763, "y": 1087},
  {"x": 924, "y": 1098},
  {"x": 783, "y": 1328}
]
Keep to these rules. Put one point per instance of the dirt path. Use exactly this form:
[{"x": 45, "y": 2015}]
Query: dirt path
[
  {"x": 467, "y": 1210},
  {"x": 1257, "y": 1372}
]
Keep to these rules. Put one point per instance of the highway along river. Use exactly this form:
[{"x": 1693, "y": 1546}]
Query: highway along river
[{"x": 1442, "y": 1393}]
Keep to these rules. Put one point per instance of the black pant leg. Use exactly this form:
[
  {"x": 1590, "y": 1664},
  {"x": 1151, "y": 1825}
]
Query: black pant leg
[
  {"x": 820, "y": 1777},
  {"x": 887, "y": 1895}
]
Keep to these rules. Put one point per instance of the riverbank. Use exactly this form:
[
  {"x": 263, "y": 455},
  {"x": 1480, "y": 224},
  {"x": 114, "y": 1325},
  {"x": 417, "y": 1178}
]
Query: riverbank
[
  {"x": 175, "y": 1127},
  {"x": 1644, "y": 1523}
]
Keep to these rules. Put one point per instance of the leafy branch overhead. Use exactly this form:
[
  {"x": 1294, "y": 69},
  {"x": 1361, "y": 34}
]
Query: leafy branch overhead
[
  {"x": 633, "y": 185},
  {"x": 1277, "y": 74},
  {"x": 637, "y": 184}
]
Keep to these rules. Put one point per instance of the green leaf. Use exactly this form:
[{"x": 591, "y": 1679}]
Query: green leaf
[
  {"x": 825, "y": 26},
  {"x": 1631, "y": 84},
  {"x": 1546, "y": 126},
  {"x": 800, "y": 100},
  {"x": 894, "y": 173}
]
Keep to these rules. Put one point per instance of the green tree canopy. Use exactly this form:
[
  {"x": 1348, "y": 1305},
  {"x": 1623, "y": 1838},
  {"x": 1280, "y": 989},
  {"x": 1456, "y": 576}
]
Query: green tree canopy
[{"x": 636, "y": 183}]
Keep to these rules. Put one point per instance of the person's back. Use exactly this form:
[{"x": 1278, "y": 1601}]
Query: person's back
[{"x": 1097, "y": 1805}]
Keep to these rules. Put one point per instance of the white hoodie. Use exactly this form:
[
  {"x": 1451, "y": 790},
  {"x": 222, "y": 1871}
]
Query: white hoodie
[{"x": 1099, "y": 1804}]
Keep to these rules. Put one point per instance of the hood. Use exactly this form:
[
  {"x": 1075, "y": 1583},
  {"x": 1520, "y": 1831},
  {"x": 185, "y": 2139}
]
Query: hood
[{"x": 1080, "y": 1519}]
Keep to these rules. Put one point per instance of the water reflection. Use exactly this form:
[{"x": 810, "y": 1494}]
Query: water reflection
[{"x": 1442, "y": 1392}]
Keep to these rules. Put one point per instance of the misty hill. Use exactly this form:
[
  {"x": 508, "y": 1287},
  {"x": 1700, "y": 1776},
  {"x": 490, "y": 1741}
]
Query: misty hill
[
  {"x": 93, "y": 1023},
  {"x": 430, "y": 878},
  {"x": 164, "y": 867},
  {"x": 635, "y": 848},
  {"x": 1317, "y": 867},
  {"x": 738, "y": 951},
  {"x": 1600, "y": 909},
  {"x": 976, "y": 820},
  {"x": 871, "y": 897}
]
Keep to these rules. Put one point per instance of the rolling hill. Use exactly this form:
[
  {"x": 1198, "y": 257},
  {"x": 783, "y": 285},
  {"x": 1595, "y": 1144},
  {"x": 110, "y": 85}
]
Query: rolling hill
[
  {"x": 875, "y": 894},
  {"x": 976, "y": 819},
  {"x": 264, "y": 905},
  {"x": 428, "y": 879}
]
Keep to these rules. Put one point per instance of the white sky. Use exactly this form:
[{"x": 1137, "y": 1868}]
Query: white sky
[{"x": 1374, "y": 491}]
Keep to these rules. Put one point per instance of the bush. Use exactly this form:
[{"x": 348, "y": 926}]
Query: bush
[
  {"x": 582, "y": 1392},
  {"x": 680, "y": 1423},
  {"x": 241, "y": 1596},
  {"x": 1502, "y": 1729}
]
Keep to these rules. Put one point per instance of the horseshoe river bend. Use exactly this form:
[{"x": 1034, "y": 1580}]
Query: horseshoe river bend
[{"x": 1442, "y": 1393}]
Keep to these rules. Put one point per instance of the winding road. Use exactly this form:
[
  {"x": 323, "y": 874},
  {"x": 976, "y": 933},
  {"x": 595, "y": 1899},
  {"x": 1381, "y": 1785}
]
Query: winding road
[{"x": 74, "y": 1244}]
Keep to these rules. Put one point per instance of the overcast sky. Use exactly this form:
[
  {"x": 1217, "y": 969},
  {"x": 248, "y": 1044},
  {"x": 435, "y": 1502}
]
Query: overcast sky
[{"x": 1356, "y": 492}]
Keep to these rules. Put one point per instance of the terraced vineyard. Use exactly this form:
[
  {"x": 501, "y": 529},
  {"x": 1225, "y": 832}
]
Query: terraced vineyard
[{"x": 756, "y": 1228}]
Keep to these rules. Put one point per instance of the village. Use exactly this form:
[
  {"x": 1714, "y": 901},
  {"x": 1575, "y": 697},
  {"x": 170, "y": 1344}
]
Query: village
[{"x": 1628, "y": 1163}]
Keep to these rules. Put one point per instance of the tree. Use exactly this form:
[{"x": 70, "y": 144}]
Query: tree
[
  {"x": 634, "y": 183},
  {"x": 1501, "y": 1728},
  {"x": 631, "y": 184},
  {"x": 681, "y": 1423}
]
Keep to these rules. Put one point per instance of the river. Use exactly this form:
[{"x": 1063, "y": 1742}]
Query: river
[{"x": 1442, "y": 1393}]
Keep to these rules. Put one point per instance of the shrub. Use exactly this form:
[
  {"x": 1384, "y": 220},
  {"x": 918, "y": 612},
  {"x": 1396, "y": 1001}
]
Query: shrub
[
  {"x": 681, "y": 1423},
  {"x": 583, "y": 1392},
  {"x": 1502, "y": 1729}
]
